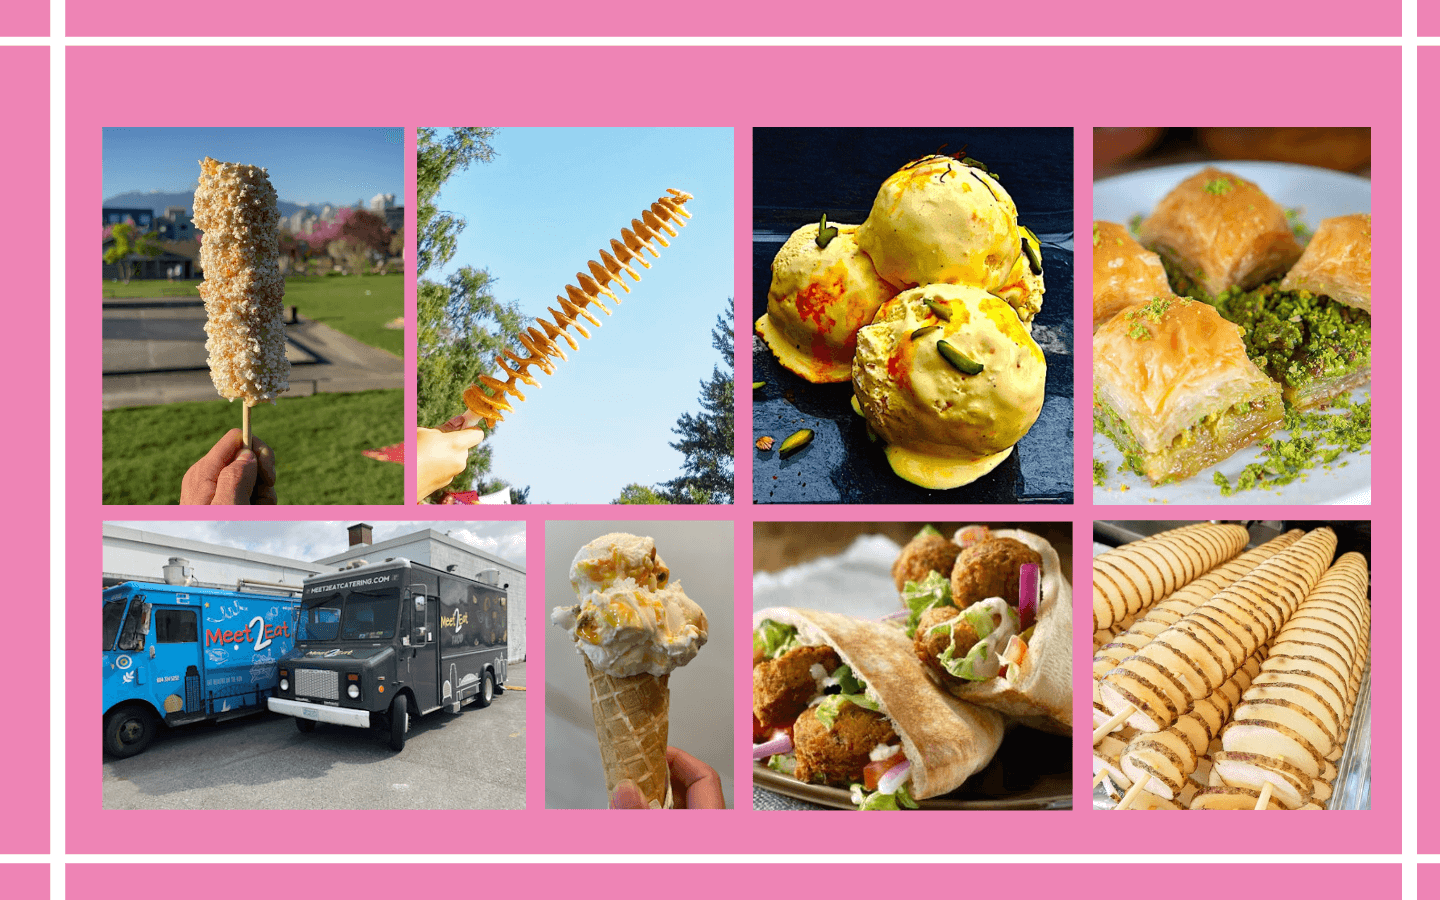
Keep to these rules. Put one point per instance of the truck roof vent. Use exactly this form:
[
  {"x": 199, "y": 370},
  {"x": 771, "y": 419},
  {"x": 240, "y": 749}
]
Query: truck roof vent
[{"x": 178, "y": 571}]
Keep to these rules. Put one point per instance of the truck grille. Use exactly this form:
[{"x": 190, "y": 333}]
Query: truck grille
[{"x": 319, "y": 683}]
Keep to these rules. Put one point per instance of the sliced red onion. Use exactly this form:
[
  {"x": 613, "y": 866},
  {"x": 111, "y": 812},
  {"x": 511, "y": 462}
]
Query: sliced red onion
[
  {"x": 1029, "y": 594},
  {"x": 781, "y": 743},
  {"x": 893, "y": 778}
]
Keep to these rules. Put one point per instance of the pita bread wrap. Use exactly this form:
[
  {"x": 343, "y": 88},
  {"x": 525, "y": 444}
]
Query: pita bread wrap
[
  {"x": 1037, "y": 691},
  {"x": 945, "y": 739}
]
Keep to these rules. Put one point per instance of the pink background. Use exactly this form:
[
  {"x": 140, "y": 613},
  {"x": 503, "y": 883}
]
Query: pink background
[
  {"x": 790, "y": 18},
  {"x": 707, "y": 881},
  {"x": 1428, "y": 730},
  {"x": 26, "y": 366},
  {"x": 740, "y": 87},
  {"x": 25, "y": 882},
  {"x": 25, "y": 18}
]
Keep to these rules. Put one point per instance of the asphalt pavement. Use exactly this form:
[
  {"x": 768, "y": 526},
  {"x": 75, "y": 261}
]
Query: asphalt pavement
[{"x": 474, "y": 760}]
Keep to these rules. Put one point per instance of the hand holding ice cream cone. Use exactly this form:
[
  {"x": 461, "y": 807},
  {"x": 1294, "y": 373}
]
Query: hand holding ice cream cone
[{"x": 633, "y": 627}]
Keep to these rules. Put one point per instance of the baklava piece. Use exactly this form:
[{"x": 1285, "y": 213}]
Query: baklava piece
[
  {"x": 1125, "y": 272},
  {"x": 1175, "y": 390},
  {"x": 1216, "y": 231},
  {"x": 1336, "y": 262}
]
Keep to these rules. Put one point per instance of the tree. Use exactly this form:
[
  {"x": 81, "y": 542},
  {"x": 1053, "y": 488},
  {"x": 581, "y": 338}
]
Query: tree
[
  {"x": 460, "y": 324},
  {"x": 130, "y": 242},
  {"x": 639, "y": 494},
  {"x": 708, "y": 439},
  {"x": 365, "y": 229}
]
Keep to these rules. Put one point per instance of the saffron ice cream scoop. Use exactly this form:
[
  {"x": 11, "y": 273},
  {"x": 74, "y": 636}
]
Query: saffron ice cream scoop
[
  {"x": 943, "y": 220},
  {"x": 823, "y": 289},
  {"x": 951, "y": 380},
  {"x": 633, "y": 627}
]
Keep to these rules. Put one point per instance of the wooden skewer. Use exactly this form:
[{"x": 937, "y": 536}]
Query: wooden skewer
[
  {"x": 1112, "y": 723},
  {"x": 1132, "y": 794},
  {"x": 1266, "y": 789},
  {"x": 1099, "y": 777},
  {"x": 245, "y": 427},
  {"x": 1264, "y": 801}
]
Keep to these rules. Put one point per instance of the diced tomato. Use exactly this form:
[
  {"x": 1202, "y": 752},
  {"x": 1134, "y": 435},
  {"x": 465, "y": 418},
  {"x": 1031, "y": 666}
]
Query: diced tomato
[{"x": 876, "y": 768}]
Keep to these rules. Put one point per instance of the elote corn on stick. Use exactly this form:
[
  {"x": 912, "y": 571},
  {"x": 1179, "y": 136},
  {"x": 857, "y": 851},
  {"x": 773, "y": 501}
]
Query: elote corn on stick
[
  {"x": 239, "y": 220},
  {"x": 486, "y": 398}
]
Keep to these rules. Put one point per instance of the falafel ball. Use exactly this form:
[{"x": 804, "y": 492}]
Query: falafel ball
[
  {"x": 990, "y": 568},
  {"x": 929, "y": 646},
  {"x": 838, "y": 755},
  {"x": 924, "y": 554},
  {"x": 784, "y": 685}
]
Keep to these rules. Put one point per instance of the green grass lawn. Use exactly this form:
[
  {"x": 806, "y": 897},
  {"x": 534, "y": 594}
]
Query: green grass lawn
[
  {"x": 356, "y": 305},
  {"x": 317, "y": 442}
]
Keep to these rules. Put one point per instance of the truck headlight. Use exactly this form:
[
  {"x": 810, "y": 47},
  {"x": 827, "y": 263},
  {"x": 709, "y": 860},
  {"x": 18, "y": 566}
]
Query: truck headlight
[
  {"x": 354, "y": 691},
  {"x": 284, "y": 684}
]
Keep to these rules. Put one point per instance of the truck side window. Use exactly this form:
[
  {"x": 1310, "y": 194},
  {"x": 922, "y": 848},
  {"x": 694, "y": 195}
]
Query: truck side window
[
  {"x": 137, "y": 622},
  {"x": 176, "y": 626}
]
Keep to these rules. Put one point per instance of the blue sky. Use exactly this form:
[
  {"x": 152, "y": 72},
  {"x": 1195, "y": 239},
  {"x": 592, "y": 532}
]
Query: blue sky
[
  {"x": 536, "y": 215},
  {"x": 310, "y": 541},
  {"x": 306, "y": 165}
]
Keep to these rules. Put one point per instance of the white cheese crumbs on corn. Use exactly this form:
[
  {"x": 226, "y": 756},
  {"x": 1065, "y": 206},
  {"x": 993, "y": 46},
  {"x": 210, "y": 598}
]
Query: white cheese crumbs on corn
[{"x": 236, "y": 211}]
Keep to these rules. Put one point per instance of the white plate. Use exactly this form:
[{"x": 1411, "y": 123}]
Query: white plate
[{"x": 1316, "y": 194}]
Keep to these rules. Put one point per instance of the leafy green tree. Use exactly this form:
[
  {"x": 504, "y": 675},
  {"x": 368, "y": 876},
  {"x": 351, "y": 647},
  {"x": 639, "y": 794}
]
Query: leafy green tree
[
  {"x": 708, "y": 439},
  {"x": 639, "y": 494},
  {"x": 461, "y": 326},
  {"x": 130, "y": 242}
]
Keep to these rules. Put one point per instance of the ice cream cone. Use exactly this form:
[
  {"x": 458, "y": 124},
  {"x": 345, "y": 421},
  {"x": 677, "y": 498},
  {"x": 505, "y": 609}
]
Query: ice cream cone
[{"x": 632, "y": 722}]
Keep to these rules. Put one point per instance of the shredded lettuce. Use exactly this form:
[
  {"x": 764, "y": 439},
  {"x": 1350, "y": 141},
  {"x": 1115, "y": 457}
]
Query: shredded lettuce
[
  {"x": 829, "y": 708},
  {"x": 979, "y": 664},
  {"x": 849, "y": 683},
  {"x": 931, "y": 591},
  {"x": 876, "y": 800},
  {"x": 784, "y": 763},
  {"x": 774, "y": 639}
]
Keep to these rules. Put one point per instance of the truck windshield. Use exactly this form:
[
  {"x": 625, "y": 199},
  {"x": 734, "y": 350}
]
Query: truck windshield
[
  {"x": 320, "y": 623},
  {"x": 110, "y": 618},
  {"x": 370, "y": 618},
  {"x": 358, "y": 617}
]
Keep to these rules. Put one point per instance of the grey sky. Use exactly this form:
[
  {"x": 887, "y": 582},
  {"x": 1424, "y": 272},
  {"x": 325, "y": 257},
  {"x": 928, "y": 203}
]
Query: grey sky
[{"x": 310, "y": 541}]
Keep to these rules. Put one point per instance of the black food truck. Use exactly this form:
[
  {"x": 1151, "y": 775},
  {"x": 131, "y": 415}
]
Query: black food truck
[{"x": 379, "y": 643}]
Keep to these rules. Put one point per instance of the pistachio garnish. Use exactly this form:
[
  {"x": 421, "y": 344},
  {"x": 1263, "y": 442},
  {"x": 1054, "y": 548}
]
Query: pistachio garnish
[
  {"x": 796, "y": 441},
  {"x": 1032, "y": 253},
  {"x": 826, "y": 234},
  {"x": 976, "y": 164},
  {"x": 765, "y": 443},
  {"x": 960, "y": 361},
  {"x": 756, "y": 385},
  {"x": 855, "y": 405},
  {"x": 918, "y": 333},
  {"x": 940, "y": 308}
]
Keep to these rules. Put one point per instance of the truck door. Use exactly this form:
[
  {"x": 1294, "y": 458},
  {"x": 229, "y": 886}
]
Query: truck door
[
  {"x": 424, "y": 666},
  {"x": 176, "y": 664}
]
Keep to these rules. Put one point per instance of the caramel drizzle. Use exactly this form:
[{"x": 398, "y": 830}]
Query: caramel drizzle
[{"x": 540, "y": 344}]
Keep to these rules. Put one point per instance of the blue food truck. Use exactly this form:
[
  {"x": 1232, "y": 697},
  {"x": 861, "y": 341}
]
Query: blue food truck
[
  {"x": 381, "y": 643},
  {"x": 179, "y": 654}
]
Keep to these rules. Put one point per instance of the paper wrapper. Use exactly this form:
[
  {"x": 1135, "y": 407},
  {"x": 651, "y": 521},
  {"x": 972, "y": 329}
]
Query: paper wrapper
[{"x": 632, "y": 723}]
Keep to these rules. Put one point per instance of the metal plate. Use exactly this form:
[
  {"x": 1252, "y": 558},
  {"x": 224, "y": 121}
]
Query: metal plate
[{"x": 800, "y": 173}]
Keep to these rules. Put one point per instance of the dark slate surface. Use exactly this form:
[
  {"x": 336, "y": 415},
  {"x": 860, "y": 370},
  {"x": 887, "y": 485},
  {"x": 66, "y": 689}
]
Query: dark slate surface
[{"x": 802, "y": 172}]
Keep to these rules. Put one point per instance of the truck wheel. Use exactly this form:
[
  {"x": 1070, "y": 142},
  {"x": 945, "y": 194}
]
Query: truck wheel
[
  {"x": 487, "y": 690},
  {"x": 305, "y": 725},
  {"x": 399, "y": 722},
  {"x": 128, "y": 731}
]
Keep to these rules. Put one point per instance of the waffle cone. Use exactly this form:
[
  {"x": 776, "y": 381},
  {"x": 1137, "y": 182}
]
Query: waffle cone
[{"x": 632, "y": 723}]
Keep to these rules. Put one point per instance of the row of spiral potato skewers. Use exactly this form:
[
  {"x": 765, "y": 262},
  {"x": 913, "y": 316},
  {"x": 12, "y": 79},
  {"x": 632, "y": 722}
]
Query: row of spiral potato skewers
[{"x": 487, "y": 397}]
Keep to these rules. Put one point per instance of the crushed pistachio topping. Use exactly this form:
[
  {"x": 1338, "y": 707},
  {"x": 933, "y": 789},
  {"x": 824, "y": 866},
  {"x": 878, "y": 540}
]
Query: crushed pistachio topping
[
  {"x": 1315, "y": 438},
  {"x": 1298, "y": 228},
  {"x": 1220, "y": 186},
  {"x": 1101, "y": 472},
  {"x": 1095, "y": 235}
]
